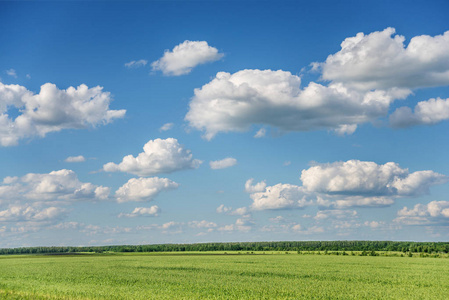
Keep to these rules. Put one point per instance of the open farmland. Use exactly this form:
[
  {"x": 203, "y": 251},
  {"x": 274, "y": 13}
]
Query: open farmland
[{"x": 214, "y": 276}]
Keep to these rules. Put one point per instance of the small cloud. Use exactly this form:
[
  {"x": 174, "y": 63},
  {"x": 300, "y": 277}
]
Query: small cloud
[
  {"x": 222, "y": 164},
  {"x": 143, "y": 189},
  {"x": 287, "y": 163},
  {"x": 152, "y": 211},
  {"x": 186, "y": 56},
  {"x": 75, "y": 159},
  {"x": 136, "y": 63},
  {"x": 241, "y": 211},
  {"x": 428, "y": 112},
  {"x": 261, "y": 133},
  {"x": 11, "y": 72},
  {"x": 166, "y": 126},
  {"x": 223, "y": 209},
  {"x": 28, "y": 76},
  {"x": 159, "y": 156}
]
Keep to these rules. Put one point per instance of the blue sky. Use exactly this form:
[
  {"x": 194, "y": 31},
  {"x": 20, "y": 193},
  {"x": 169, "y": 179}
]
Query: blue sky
[{"x": 144, "y": 122}]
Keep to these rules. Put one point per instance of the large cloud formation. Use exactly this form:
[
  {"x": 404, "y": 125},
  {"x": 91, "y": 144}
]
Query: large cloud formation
[
  {"x": 233, "y": 102},
  {"x": 435, "y": 212},
  {"x": 159, "y": 156},
  {"x": 56, "y": 186},
  {"x": 279, "y": 196},
  {"x": 364, "y": 78},
  {"x": 380, "y": 60},
  {"x": 52, "y": 110},
  {"x": 427, "y": 112},
  {"x": 347, "y": 184},
  {"x": 185, "y": 56},
  {"x": 365, "y": 178},
  {"x": 143, "y": 189}
]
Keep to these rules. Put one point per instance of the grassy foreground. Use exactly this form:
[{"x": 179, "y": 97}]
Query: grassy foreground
[{"x": 175, "y": 276}]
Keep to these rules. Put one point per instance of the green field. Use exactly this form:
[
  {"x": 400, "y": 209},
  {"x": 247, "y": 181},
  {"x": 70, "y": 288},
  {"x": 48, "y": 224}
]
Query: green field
[{"x": 214, "y": 276}]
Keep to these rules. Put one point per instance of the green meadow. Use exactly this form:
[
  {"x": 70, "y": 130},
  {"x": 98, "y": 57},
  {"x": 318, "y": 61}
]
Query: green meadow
[{"x": 272, "y": 275}]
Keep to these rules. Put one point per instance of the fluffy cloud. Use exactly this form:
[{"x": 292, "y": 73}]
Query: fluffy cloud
[
  {"x": 233, "y": 102},
  {"x": 185, "y": 56},
  {"x": 26, "y": 213},
  {"x": 152, "y": 211},
  {"x": 341, "y": 185},
  {"x": 75, "y": 159},
  {"x": 223, "y": 164},
  {"x": 223, "y": 209},
  {"x": 380, "y": 60},
  {"x": 279, "y": 196},
  {"x": 143, "y": 189},
  {"x": 364, "y": 178},
  {"x": 52, "y": 110},
  {"x": 136, "y": 63},
  {"x": 435, "y": 212},
  {"x": 62, "y": 185},
  {"x": 242, "y": 224},
  {"x": 254, "y": 188},
  {"x": 159, "y": 156},
  {"x": 427, "y": 112}
]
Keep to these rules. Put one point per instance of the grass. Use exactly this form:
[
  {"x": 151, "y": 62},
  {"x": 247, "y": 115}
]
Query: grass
[{"x": 215, "y": 276}]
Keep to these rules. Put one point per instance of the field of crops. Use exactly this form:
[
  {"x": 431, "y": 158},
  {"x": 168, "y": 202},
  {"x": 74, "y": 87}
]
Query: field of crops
[{"x": 213, "y": 276}]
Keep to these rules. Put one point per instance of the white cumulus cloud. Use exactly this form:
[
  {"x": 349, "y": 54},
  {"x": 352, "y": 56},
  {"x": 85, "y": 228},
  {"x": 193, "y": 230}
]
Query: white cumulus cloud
[
  {"x": 342, "y": 185},
  {"x": 242, "y": 224},
  {"x": 365, "y": 178},
  {"x": 254, "y": 188},
  {"x": 435, "y": 212},
  {"x": 223, "y": 209},
  {"x": 185, "y": 56},
  {"x": 152, "y": 211},
  {"x": 52, "y": 110},
  {"x": 234, "y": 102},
  {"x": 427, "y": 112},
  {"x": 223, "y": 164},
  {"x": 279, "y": 196},
  {"x": 143, "y": 189},
  {"x": 159, "y": 156},
  {"x": 26, "y": 213},
  {"x": 381, "y": 60},
  {"x": 57, "y": 186}
]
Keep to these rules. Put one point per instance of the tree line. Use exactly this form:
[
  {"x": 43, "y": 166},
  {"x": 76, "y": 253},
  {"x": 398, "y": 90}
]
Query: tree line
[{"x": 414, "y": 247}]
